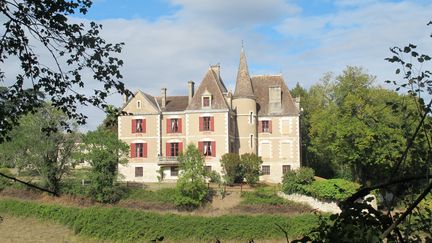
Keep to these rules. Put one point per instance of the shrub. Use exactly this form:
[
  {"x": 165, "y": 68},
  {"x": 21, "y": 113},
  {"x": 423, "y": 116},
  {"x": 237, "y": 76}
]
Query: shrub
[
  {"x": 125, "y": 225},
  {"x": 332, "y": 189},
  {"x": 214, "y": 177},
  {"x": 295, "y": 180},
  {"x": 233, "y": 171},
  {"x": 251, "y": 167},
  {"x": 191, "y": 189}
]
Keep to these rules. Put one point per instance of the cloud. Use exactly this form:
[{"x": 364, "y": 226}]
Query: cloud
[{"x": 234, "y": 14}]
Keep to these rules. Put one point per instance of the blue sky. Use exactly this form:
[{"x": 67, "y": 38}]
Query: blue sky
[{"x": 169, "y": 42}]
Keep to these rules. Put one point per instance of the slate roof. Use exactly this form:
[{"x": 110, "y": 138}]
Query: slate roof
[
  {"x": 261, "y": 84},
  {"x": 174, "y": 103},
  {"x": 214, "y": 85},
  {"x": 243, "y": 83}
]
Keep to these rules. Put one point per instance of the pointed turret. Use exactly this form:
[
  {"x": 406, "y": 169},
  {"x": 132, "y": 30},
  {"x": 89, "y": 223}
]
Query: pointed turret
[{"x": 243, "y": 84}]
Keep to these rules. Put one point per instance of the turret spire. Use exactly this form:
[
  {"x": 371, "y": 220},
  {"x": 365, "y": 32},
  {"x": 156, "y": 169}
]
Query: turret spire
[{"x": 243, "y": 83}]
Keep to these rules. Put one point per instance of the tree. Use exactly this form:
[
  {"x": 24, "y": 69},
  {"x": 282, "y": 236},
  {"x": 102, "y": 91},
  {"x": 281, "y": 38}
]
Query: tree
[
  {"x": 232, "y": 169},
  {"x": 191, "y": 186},
  {"x": 34, "y": 30},
  {"x": 251, "y": 164},
  {"x": 104, "y": 151},
  {"x": 356, "y": 125},
  {"x": 49, "y": 155}
]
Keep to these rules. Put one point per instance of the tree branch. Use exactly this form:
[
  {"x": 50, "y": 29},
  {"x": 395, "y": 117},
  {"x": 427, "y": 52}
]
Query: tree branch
[
  {"x": 29, "y": 184},
  {"x": 407, "y": 212}
]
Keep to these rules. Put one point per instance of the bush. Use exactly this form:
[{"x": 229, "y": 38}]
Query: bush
[
  {"x": 251, "y": 164},
  {"x": 294, "y": 181},
  {"x": 191, "y": 189},
  {"x": 332, "y": 189},
  {"x": 233, "y": 171},
  {"x": 214, "y": 177},
  {"x": 125, "y": 225}
]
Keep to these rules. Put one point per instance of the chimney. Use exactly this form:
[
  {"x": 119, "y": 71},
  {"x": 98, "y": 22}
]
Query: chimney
[
  {"x": 191, "y": 90},
  {"x": 216, "y": 69},
  {"x": 297, "y": 103},
  {"x": 125, "y": 99},
  {"x": 163, "y": 95}
]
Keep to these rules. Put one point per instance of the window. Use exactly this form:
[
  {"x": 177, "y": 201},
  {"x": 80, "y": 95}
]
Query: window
[
  {"x": 174, "y": 126},
  {"x": 174, "y": 171},
  {"x": 251, "y": 142},
  {"x": 138, "y": 126},
  {"x": 265, "y": 169},
  {"x": 265, "y": 126},
  {"x": 206, "y": 101},
  {"x": 174, "y": 149},
  {"x": 139, "y": 104},
  {"x": 138, "y": 171},
  {"x": 206, "y": 123},
  {"x": 208, "y": 168},
  {"x": 139, "y": 150},
  {"x": 250, "y": 117},
  {"x": 285, "y": 169},
  {"x": 207, "y": 146}
]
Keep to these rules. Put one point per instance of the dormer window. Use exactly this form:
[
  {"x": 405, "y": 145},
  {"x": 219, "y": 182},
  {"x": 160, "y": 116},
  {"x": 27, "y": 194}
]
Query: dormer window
[{"x": 206, "y": 99}]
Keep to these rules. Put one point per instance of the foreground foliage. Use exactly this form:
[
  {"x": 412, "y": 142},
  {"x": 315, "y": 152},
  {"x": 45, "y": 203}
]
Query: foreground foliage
[
  {"x": 191, "y": 186},
  {"x": 130, "y": 225}
]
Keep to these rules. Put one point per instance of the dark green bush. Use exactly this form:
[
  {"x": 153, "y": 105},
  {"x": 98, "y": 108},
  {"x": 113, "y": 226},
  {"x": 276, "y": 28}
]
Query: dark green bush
[
  {"x": 123, "y": 225},
  {"x": 293, "y": 181},
  {"x": 332, "y": 189}
]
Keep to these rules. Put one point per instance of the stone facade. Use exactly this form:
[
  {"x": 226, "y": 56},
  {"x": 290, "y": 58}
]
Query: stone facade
[{"x": 260, "y": 117}]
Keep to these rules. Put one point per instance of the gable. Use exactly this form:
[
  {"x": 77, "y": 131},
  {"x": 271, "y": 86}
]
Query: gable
[
  {"x": 212, "y": 84},
  {"x": 141, "y": 103},
  {"x": 261, "y": 85}
]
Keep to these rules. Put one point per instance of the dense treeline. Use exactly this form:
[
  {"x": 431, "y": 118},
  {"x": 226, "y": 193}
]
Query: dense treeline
[{"x": 354, "y": 129}]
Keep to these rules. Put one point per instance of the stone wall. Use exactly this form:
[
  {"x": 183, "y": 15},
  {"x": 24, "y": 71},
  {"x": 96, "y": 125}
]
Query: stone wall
[{"x": 328, "y": 207}]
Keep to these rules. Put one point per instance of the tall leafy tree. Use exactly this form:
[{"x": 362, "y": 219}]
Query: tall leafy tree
[
  {"x": 52, "y": 55},
  {"x": 359, "y": 130},
  {"x": 191, "y": 186},
  {"x": 49, "y": 155},
  {"x": 103, "y": 151}
]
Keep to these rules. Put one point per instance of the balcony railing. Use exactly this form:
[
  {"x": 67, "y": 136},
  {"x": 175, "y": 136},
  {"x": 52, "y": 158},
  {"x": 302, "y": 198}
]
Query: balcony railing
[{"x": 167, "y": 160}]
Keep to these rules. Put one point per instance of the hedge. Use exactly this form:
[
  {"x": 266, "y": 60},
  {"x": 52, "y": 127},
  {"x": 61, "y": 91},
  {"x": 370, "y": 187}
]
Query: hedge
[
  {"x": 332, "y": 189},
  {"x": 119, "y": 224}
]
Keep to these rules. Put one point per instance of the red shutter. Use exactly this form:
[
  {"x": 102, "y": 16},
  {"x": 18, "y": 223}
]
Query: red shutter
[
  {"x": 133, "y": 150},
  {"x": 144, "y": 127},
  {"x": 260, "y": 127},
  {"x": 200, "y": 147},
  {"x": 133, "y": 125},
  {"x": 213, "y": 146},
  {"x": 145, "y": 150},
  {"x": 180, "y": 125},
  {"x": 168, "y": 126},
  {"x": 211, "y": 123},
  {"x": 270, "y": 126},
  {"x": 180, "y": 148},
  {"x": 168, "y": 150},
  {"x": 201, "y": 122}
]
